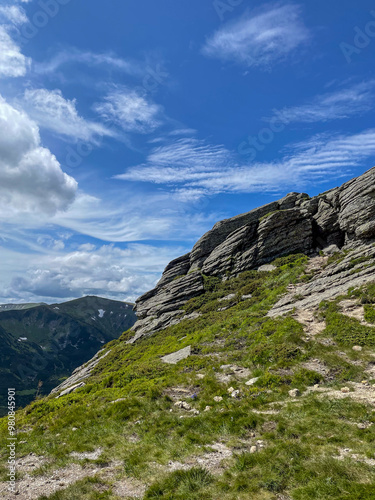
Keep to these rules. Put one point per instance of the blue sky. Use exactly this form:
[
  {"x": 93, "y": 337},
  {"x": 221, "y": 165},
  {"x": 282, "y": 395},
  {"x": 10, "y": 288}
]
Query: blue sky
[{"x": 127, "y": 129}]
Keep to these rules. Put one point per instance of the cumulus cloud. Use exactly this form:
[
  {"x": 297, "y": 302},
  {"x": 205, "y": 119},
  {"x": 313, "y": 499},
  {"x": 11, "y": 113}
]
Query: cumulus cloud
[
  {"x": 129, "y": 109},
  {"x": 127, "y": 273},
  {"x": 259, "y": 39},
  {"x": 53, "y": 112},
  {"x": 31, "y": 179}
]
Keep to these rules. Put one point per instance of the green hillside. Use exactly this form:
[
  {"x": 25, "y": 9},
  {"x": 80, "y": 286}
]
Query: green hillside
[{"x": 221, "y": 423}]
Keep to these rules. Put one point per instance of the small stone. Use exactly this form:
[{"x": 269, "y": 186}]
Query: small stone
[
  {"x": 74, "y": 429},
  {"x": 218, "y": 399},
  {"x": 230, "y": 390},
  {"x": 294, "y": 393},
  {"x": 357, "y": 348},
  {"x": 364, "y": 382},
  {"x": 196, "y": 412},
  {"x": 200, "y": 375},
  {"x": 316, "y": 386},
  {"x": 208, "y": 408},
  {"x": 183, "y": 405},
  {"x": 345, "y": 389},
  {"x": 246, "y": 297},
  {"x": 266, "y": 268},
  {"x": 253, "y": 449},
  {"x": 235, "y": 394},
  {"x": 252, "y": 381},
  {"x": 362, "y": 426}
]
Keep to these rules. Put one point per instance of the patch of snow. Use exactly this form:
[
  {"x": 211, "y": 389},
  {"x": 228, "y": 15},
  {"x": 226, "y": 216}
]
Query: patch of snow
[
  {"x": 56, "y": 308},
  {"x": 93, "y": 318},
  {"x": 101, "y": 312},
  {"x": 22, "y": 339}
]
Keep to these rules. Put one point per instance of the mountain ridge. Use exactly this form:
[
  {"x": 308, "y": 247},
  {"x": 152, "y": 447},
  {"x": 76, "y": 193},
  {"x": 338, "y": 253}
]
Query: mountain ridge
[
  {"x": 46, "y": 342},
  {"x": 342, "y": 217}
]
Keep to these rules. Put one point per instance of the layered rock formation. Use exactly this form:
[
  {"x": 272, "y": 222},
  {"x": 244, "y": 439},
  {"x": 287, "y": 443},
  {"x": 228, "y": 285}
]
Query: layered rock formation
[{"x": 343, "y": 217}]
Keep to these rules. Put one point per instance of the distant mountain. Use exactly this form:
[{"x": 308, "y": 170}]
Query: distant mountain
[
  {"x": 41, "y": 342},
  {"x": 19, "y": 307}
]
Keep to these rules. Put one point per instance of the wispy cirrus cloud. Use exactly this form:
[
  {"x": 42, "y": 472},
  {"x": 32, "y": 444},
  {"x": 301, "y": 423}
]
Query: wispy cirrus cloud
[
  {"x": 13, "y": 14},
  {"x": 130, "y": 110},
  {"x": 70, "y": 56},
  {"x": 260, "y": 40},
  {"x": 53, "y": 112},
  {"x": 12, "y": 62},
  {"x": 335, "y": 105},
  {"x": 196, "y": 168}
]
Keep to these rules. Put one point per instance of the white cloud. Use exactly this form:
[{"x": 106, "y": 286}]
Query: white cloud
[
  {"x": 125, "y": 216},
  {"x": 261, "y": 39},
  {"x": 195, "y": 168},
  {"x": 130, "y": 110},
  {"x": 12, "y": 62},
  {"x": 13, "y": 14},
  {"x": 127, "y": 273},
  {"x": 334, "y": 105},
  {"x": 31, "y": 179},
  {"x": 104, "y": 59},
  {"x": 52, "y": 111}
]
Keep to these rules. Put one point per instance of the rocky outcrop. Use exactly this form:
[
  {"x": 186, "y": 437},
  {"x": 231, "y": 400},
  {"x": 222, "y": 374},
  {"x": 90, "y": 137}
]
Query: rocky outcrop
[
  {"x": 344, "y": 217},
  {"x": 75, "y": 381}
]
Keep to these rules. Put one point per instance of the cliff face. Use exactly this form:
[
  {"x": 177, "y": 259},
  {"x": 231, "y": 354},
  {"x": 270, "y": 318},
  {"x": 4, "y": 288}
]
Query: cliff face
[{"x": 343, "y": 217}]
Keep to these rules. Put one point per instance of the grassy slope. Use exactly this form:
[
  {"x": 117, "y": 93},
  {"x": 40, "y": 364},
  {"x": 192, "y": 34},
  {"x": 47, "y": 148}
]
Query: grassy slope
[{"x": 145, "y": 430}]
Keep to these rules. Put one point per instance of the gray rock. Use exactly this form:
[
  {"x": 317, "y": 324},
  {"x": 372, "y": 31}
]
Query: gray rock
[
  {"x": 71, "y": 389},
  {"x": 294, "y": 393},
  {"x": 252, "y": 381},
  {"x": 228, "y": 297},
  {"x": 175, "y": 357},
  {"x": 357, "y": 348},
  {"x": 266, "y": 268},
  {"x": 81, "y": 373},
  {"x": 343, "y": 217}
]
